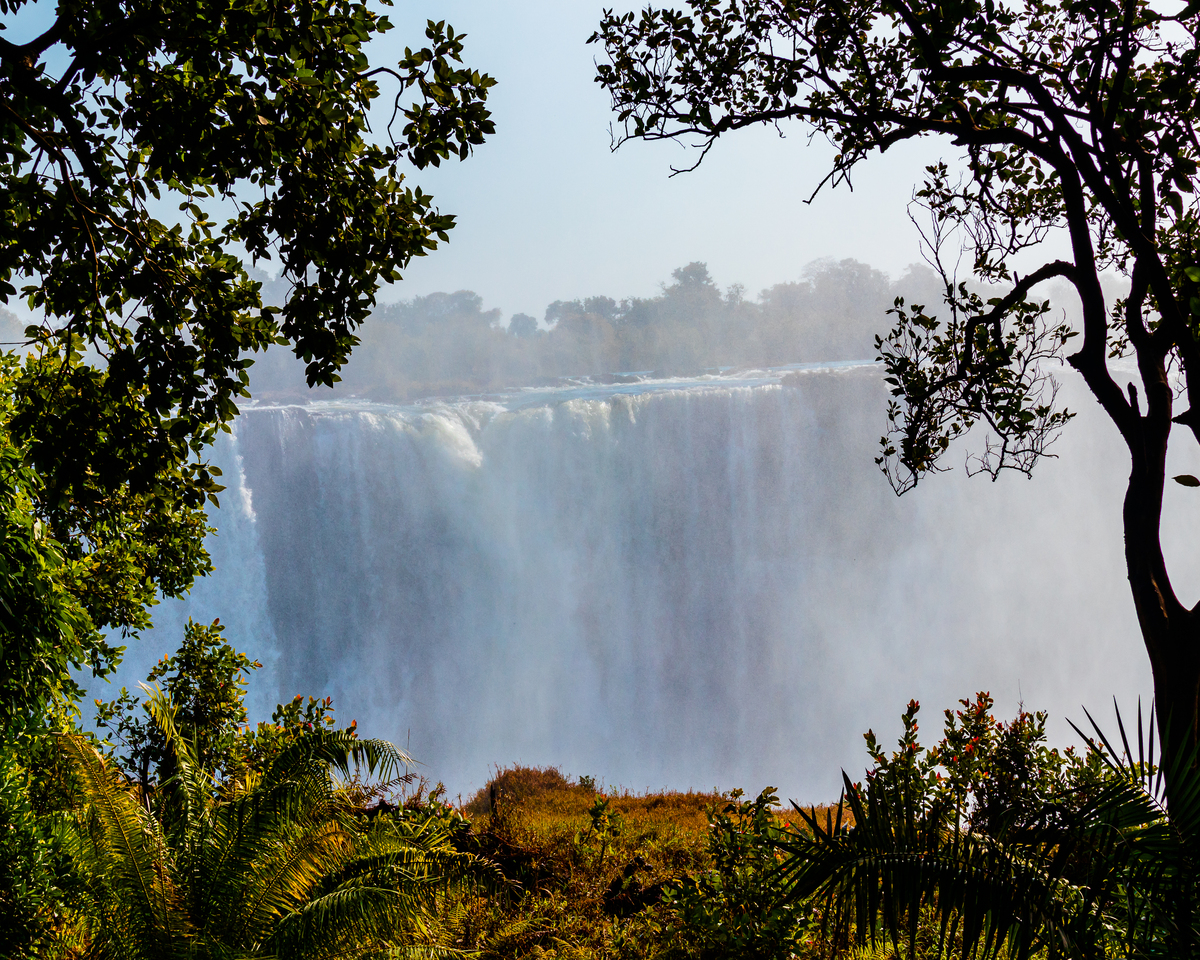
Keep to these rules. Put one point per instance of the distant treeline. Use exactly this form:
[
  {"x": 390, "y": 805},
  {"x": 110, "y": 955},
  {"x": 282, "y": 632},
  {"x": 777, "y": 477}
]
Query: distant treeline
[{"x": 446, "y": 343}]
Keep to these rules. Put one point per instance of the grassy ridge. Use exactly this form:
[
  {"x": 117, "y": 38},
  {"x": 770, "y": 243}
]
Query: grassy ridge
[{"x": 584, "y": 872}]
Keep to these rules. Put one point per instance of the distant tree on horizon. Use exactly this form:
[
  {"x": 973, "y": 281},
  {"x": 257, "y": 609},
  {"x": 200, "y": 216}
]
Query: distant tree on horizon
[{"x": 446, "y": 344}]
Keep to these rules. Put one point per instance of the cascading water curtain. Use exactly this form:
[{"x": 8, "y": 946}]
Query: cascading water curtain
[{"x": 684, "y": 584}]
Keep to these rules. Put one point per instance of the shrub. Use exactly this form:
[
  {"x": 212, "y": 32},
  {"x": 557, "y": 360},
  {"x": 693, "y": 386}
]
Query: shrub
[
  {"x": 734, "y": 909},
  {"x": 515, "y": 784}
]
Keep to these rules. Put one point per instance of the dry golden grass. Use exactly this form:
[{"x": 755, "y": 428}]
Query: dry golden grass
[
  {"x": 550, "y": 803},
  {"x": 555, "y": 811},
  {"x": 577, "y": 891},
  {"x": 586, "y": 880},
  {"x": 826, "y": 813},
  {"x": 515, "y": 784}
]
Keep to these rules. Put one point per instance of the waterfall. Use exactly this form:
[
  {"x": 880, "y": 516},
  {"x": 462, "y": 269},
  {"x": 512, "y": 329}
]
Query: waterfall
[{"x": 668, "y": 583}]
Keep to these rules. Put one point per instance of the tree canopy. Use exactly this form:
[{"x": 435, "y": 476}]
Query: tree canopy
[
  {"x": 243, "y": 841},
  {"x": 149, "y": 152},
  {"x": 1073, "y": 120}
]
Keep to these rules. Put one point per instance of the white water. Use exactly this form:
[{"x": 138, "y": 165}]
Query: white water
[{"x": 682, "y": 583}]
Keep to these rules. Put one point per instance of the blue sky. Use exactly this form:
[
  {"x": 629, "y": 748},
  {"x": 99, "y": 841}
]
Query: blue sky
[{"x": 546, "y": 211}]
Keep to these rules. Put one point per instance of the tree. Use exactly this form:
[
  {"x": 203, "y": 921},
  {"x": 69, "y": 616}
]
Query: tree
[
  {"x": 45, "y": 629},
  {"x": 211, "y": 838},
  {"x": 204, "y": 681},
  {"x": 284, "y": 864},
  {"x": 523, "y": 325},
  {"x": 255, "y": 110},
  {"x": 120, "y": 112},
  {"x": 1075, "y": 119}
]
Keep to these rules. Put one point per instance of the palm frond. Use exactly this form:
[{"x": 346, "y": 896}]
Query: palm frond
[
  {"x": 287, "y": 876},
  {"x": 342, "y": 750},
  {"x": 427, "y": 951},
  {"x": 878, "y": 878},
  {"x": 1161, "y": 914},
  {"x": 188, "y": 792},
  {"x": 126, "y": 854},
  {"x": 352, "y": 914},
  {"x": 284, "y": 865},
  {"x": 1109, "y": 867}
]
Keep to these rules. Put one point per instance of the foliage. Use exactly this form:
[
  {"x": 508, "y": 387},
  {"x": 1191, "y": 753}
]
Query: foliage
[
  {"x": 1069, "y": 116},
  {"x": 114, "y": 116},
  {"x": 204, "y": 682},
  {"x": 580, "y": 888},
  {"x": 987, "y": 843},
  {"x": 1006, "y": 849},
  {"x": 48, "y": 615},
  {"x": 572, "y": 892},
  {"x": 1073, "y": 119},
  {"x": 984, "y": 775},
  {"x": 282, "y": 866},
  {"x": 233, "y": 840},
  {"x": 197, "y": 104},
  {"x": 1007, "y": 389},
  {"x": 514, "y": 784},
  {"x": 734, "y": 909},
  {"x": 109, "y": 117},
  {"x": 53, "y": 598},
  {"x": 606, "y": 824},
  {"x": 35, "y": 876}
]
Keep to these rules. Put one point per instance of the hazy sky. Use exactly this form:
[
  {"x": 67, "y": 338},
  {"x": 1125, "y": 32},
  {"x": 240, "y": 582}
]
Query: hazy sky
[{"x": 546, "y": 211}]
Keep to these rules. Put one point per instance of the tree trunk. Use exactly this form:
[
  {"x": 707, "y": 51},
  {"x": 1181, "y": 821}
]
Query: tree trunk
[{"x": 1170, "y": 631}]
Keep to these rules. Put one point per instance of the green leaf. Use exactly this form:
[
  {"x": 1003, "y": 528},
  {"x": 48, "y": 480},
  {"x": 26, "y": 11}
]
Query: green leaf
[{"x": 184, "y": 102}]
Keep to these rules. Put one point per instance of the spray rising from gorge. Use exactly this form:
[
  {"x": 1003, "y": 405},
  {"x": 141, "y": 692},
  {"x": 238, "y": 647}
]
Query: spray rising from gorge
[{"x": 656, "y": 580}]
